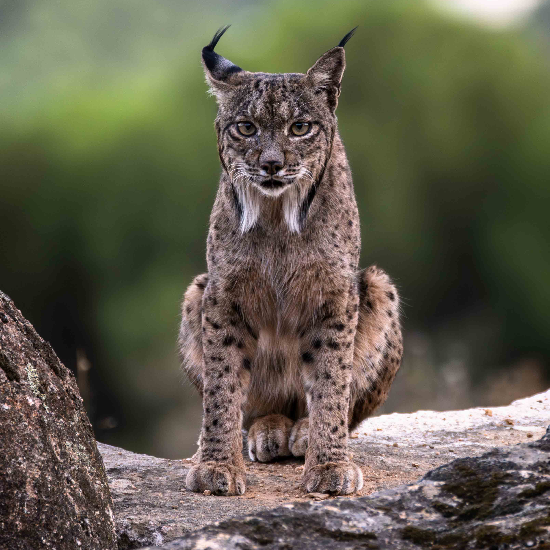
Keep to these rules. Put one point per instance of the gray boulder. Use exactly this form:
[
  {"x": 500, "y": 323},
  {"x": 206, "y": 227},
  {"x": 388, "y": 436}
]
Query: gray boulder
[{"x": 53, "y": 487}]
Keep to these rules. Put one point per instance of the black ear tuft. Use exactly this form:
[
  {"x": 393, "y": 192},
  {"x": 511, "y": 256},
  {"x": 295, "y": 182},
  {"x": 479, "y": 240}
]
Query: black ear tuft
[
  {"x": 217, "y": 66},
  {"x": 342, "y": 43},
  {"x": 219, "y": 33}
]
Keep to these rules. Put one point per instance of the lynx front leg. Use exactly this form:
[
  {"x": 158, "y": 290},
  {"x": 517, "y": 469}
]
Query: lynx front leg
[
  {"x": 225, "y": 376},
  {"x": 328, "y": 468}
]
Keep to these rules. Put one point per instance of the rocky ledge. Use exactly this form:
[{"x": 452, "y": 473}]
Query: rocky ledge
[
  {"x": 498, "y": 500},
  {"x": 152, "y": 506}
]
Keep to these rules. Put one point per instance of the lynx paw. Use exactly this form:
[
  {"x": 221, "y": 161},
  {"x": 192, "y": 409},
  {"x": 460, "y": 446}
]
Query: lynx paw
[
  {"x": 298, "y": 440},
  {"x": 220, "y": 479},
  {"x": 268, "y": 437},
  {"x": 340, "y": 478}
]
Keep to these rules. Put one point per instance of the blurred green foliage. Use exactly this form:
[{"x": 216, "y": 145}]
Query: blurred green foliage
[{"x": 108, "y": 170}]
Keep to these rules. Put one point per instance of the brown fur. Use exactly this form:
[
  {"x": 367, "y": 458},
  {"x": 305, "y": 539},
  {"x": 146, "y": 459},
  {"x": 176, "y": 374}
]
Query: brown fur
[{"x": 285, "y": 336}]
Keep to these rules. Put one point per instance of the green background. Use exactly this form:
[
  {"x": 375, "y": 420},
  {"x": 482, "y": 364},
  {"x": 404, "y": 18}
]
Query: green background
[{"x": 108, "y": 170}]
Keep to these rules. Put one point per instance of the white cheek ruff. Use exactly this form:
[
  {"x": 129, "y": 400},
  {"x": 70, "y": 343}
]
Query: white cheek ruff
[
  {"x": 291, "y": 208},
  {"x": 249, "y": 197}
]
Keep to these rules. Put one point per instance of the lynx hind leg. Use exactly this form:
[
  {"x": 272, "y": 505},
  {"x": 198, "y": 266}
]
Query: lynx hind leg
[
  {"x": 268, "y": 437},
  {"x": 190, "y": 337},
  {"x": 378, "y": 344}
]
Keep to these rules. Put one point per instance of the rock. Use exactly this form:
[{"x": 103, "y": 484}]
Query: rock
[
  {"x": 497, "y": 500},
  {"x": 153, "y": 507},
  {"x": 53, "y": 487}
]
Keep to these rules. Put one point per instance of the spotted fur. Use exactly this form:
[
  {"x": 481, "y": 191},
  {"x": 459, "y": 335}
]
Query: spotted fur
[{"x": 285, "y": 336}]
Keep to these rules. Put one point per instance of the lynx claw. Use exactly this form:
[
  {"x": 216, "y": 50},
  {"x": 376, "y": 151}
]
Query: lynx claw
[
  {"x": 339, "y": 478},
  {"x": 268, "y": 438},
  {"x": 298, "y": 440},
  {"x": 220, "y": 479}
]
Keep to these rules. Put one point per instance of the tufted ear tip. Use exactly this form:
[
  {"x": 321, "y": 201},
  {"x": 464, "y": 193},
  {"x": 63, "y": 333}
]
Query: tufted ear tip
[
  {"x": 327, "y": 72},
  {"x": 217, "y": 68},
  {"x": 216, "y": 38},
  {"x": 346, "y": 38}
]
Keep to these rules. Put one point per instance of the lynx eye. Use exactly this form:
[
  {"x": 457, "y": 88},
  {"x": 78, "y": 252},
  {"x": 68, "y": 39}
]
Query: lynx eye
[
  {"x": 300, "y": 128},
  {"x": 246, "y": 128}
]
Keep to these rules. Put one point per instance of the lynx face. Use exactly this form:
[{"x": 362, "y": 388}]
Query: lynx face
[{"x": 275, "y": 131}]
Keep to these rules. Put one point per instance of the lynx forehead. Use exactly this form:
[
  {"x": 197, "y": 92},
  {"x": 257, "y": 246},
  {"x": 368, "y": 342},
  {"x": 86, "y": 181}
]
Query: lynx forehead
[{"x": 284, "y": 336}]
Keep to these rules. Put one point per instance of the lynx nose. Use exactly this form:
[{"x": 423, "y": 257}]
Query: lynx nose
[{"x": 271, "y": 166}]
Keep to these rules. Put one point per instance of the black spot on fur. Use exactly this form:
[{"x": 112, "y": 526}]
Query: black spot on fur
[
  {"x": 246, "y": 364},
  {"x": 333, "y": 345},
  {"x": 307, "y": 357},
  {"x": 215, "y": 325},
  {"x": 250, "y": 330},
  {"x": 228, "y": 340},
  {"x": 390, "y": 295},
  {"x": 317, "y": 343}
]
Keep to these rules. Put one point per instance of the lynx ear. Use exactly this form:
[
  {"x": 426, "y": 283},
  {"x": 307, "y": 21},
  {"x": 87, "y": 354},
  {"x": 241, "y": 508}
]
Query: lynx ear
[
  {"x": 328, "y": 70},
  {"x": 218, "y": 70}
]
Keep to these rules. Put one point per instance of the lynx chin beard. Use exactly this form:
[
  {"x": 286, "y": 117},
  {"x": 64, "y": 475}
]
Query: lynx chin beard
[{"x": 290, "y": 190}]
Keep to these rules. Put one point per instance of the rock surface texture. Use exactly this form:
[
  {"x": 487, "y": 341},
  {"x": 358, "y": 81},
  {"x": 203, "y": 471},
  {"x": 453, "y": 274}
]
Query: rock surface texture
[
  {"x": 498, "y": 500},
  {"x": 152, "y": 506},
  {"x": 53, "y": 487}
]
